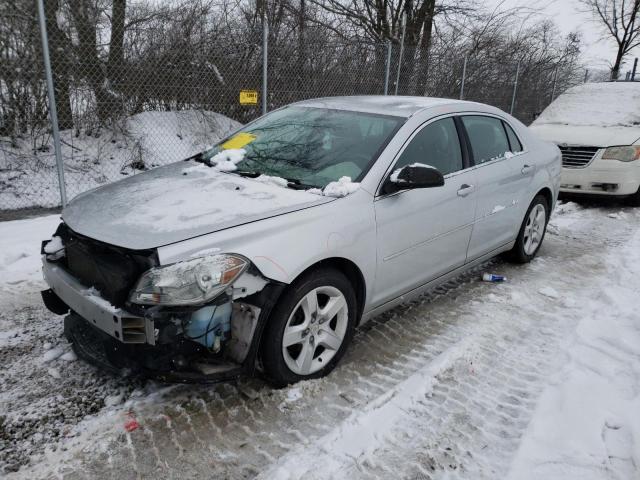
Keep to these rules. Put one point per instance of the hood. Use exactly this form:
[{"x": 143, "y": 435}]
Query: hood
[
  {"x": 586, "y": 135},
  {"x": 177, "y": 202}
]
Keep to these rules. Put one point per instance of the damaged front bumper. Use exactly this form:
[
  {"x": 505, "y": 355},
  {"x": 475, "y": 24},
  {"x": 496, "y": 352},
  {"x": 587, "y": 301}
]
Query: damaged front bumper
[
  {"x": 87, "y": 303},
  {"x": 154, "y": 342}
]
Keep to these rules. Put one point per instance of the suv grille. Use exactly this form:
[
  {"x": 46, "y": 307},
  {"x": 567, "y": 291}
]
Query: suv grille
[
  {"x": 577, "y": 157},
  {"x": 113, "y": 271}
]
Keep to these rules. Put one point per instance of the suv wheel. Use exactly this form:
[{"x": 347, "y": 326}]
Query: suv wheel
[
  {"x": 310, "y": 329},
  {"x": 532, "y": 231}
]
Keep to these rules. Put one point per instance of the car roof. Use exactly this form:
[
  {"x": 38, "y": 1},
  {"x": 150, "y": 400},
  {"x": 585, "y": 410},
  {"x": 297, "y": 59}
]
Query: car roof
[{"x": 399, "y": 106}]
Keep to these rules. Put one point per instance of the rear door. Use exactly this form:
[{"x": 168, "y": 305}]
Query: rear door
[
  {"x": 501, "y": 182},
  {"x": 424, "y": 233}
]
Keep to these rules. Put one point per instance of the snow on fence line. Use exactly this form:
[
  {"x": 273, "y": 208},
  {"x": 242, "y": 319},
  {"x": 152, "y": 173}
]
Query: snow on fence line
[{"x": 145, "y": 140}]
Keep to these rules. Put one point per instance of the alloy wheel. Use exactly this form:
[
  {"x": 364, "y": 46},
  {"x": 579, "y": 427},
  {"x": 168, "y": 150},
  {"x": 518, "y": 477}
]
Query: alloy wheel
[
  {"x": 534, "y": 229},
  {"x": 315, "y": 330}
]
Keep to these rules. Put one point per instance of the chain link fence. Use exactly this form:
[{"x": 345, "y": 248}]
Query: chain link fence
[{"x": 176, "y": 93}]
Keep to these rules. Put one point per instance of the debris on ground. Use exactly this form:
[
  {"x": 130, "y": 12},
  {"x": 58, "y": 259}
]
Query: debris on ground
[
  {"x": 492, "y": 277},
  {"x": 131, "y": 423}
]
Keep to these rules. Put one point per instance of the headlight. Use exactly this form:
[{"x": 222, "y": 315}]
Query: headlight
[
  {"x": 192, "y": 282},
  {"x": 624, "y": 154}
]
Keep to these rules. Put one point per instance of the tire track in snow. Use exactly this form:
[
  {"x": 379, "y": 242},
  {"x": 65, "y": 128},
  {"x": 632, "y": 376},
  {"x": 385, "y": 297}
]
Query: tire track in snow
[{"x": 349, "y": 442}]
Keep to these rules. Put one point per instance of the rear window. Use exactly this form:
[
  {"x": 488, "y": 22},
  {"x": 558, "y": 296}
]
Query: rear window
[
  {"x": 514, "y": 141},
  {"x": 487, "y": 136}
]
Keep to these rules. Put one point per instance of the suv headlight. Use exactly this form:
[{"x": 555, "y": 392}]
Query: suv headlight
[
  {"x": 192, "y": 282},
  {"x": 624, "y": 154}
]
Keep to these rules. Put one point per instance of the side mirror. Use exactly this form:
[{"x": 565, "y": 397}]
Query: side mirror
[{"x": 412, "y": 176}]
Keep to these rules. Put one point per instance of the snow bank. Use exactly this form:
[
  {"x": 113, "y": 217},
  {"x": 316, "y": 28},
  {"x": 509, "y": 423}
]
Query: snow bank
[
  {"x": 596, "y": 104},
  {"x": 20, "y": 265},
  {"x": 587, "y": 421},
  {"x": 166, "y": 137},
  {"x": 28, "y": 178}
]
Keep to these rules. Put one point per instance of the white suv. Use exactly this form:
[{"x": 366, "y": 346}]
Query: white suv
[{"x": 597, "y": 127}]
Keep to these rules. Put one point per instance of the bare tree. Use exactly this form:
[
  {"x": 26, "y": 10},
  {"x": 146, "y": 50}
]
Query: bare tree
[
  {"x": 619, "y": 19},
  {"x": 379, "y": 20}
]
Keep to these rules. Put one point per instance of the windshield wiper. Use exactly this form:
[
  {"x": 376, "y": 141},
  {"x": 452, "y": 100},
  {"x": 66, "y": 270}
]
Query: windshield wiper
[
  {"x": 201, "y": 158},
  {"x": 247, "y": 173},
  {"x": 296, "y": 184},
  {"x": 292, "y": 183}
]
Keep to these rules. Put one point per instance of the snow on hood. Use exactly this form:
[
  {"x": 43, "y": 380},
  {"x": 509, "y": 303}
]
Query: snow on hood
[
  {"x": 343, "y": 187},
  {"x": 591, "y": 136},
  {"x": 598, "y": 104},
  {"x": 177, "y": 202},
  {"x": 227, "y": 160}
]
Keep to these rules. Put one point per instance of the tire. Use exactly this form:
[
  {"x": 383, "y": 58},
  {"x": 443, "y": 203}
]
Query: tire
[
  {"x": 525, "y": 248},
  {"x": 315, "y": 342}
]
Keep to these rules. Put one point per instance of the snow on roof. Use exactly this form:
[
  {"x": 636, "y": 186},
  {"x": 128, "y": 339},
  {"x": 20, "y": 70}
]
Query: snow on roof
[
  {"x": 599, "y": 104},
  {"x": 401, "y": 106}
]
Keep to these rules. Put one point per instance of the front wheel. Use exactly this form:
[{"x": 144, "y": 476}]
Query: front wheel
[
  {"x": 310, "y": 328},
  {"x": 532, "y": 231}
]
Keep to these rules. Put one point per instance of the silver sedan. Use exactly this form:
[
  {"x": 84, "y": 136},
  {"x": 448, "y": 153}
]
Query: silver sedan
[{"x": 268, "y": 250}]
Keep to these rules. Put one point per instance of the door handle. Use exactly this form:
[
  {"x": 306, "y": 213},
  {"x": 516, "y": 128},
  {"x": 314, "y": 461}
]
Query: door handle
[
  {"x": 465, "y": 190},
  {"x": 526, "y": 169}
]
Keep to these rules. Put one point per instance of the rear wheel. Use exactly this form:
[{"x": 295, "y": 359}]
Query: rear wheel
[
  {"x": 310, "y": 329},
  {"x": 532, "y": 231}
]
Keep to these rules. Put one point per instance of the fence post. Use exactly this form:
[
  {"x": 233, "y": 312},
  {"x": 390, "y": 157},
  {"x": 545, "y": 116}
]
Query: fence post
[
  {"x": 464, "y": 77},
  {"x": 265, "y": 60},
  {"x": 387, "y": 68},
  {"x": 555, "y": 80},
  {"x": 53, "y": 112},
  {"x": 404, "y": 24},
  {"x": 586, "y": 75},
  {"x": 635, "y": 68},
  {"x": 515, "y": 90}
]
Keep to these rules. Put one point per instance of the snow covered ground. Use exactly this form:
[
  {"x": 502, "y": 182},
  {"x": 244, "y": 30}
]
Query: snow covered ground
[
  {"x": 28, "y": 175},
  {"x": 535, "y": 378}
]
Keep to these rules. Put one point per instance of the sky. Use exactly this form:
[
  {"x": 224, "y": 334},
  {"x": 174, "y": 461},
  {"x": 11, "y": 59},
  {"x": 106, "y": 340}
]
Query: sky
[{"x": 598, "y": 51}]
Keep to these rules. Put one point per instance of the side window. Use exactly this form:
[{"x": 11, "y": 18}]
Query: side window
[
  {"x": 437, "y": 145},
  {"x": 487, "y": 136},
  {"x": 514, "y": 141}
]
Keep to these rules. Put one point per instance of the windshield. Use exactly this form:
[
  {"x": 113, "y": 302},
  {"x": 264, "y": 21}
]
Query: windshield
[
  {"x": 596, "y": 104},
  {"x": 310, "y": 146}
]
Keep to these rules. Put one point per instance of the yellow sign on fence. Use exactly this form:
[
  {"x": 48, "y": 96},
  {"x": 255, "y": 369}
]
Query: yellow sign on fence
[{"x": 248, "y": 97}]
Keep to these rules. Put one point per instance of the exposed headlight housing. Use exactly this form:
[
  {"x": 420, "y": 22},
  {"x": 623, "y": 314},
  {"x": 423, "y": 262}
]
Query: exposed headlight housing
[
  {"x": 192, "y": 282},
  {"x": 623, "y": 154}
]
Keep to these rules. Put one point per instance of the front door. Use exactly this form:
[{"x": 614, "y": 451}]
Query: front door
[{"x": 424, "y": 233}]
